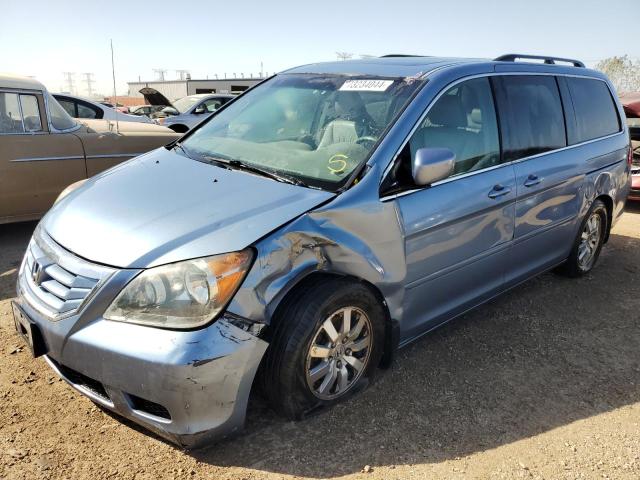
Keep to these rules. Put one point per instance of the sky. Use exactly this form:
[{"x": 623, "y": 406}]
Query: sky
[{"x": 43, "y": 38}]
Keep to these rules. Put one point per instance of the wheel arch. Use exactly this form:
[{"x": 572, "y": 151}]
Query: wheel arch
[
  {"x": 392, "y": 329},
  {"x": 608, "y": 202},
  {"x": 179, "y": 128}
]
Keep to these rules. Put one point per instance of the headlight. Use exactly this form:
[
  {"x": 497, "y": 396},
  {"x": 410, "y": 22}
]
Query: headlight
[{"x": 181, "y": 295}]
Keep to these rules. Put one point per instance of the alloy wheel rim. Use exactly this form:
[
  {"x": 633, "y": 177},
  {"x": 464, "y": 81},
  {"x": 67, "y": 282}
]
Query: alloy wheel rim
[
  {"x": 339, "y": 353},
  {"x": 589, "y": 241}
]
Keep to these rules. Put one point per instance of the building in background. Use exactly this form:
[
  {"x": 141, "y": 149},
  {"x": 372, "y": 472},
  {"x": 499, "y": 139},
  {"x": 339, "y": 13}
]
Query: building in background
[{"x": 174, "y": 89}]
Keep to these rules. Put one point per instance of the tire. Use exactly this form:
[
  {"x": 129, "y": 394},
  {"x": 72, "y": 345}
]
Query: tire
[
  {"x": 576, "y": 265},
  {"x": 179, "y": 128},
  {"x": 294, "y": 376}
]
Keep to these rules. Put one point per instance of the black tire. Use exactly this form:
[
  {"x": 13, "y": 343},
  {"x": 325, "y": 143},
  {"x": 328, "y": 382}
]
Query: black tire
[
  {"x": 179, "y": 128},
  {"x": 285, "y": 370},
  {"x": 573, "y": 267}
]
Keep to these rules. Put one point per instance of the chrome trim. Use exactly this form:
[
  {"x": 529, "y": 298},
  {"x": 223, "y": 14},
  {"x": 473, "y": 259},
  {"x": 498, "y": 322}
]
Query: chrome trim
[
  {"x": 43, "y": 159},
  {"x": 76, "y": 157},
  {"x": 467, "y": 174},
  {"x": 115, "y": 155},
  {"x": 88, "y": 278},
  {"x": 52, "y": 129}
]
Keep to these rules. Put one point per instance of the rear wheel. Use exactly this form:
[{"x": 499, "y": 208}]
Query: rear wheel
[
  {"x": 588, "y": 243},
  {"x": 326, "y": 345}
]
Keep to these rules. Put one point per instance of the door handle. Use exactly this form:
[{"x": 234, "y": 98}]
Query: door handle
[
  {"x": 498, "y": 191},
  {"x": 532, "y": 180}
]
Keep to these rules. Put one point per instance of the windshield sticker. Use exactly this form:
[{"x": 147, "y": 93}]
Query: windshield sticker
[{"x": 366, "y": 85}]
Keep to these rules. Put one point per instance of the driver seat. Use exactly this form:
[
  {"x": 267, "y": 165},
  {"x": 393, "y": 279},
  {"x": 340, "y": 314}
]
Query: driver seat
[{"x": 339, "y": 131}]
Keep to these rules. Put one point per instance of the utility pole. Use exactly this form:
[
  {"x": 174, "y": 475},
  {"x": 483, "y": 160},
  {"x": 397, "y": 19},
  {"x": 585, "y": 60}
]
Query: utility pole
[
  {"x": 69, "y": 79},
  {"x": 261, "y": 70},
  {"x": 88, "y": 78},
  {"x": 160, "y": 73}
]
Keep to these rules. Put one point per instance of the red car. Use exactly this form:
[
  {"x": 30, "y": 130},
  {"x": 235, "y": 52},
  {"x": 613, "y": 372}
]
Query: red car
[{"x": 631, "y": 105}]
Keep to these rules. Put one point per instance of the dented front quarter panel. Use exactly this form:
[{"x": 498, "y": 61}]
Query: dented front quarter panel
[{"x": 355, "y": 235}]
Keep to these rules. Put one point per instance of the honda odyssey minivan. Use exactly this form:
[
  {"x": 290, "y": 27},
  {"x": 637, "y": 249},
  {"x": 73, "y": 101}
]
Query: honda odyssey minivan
[{"x": 310, "y": 227}]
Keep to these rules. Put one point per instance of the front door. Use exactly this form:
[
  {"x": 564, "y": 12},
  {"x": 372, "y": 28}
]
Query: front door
[
  {"x": 35, "y": 165},
  {"x": 457, "y": 231}
]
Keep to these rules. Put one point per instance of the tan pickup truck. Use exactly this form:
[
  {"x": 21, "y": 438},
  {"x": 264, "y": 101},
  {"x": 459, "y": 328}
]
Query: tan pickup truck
[{"x": 43, "y": 149}]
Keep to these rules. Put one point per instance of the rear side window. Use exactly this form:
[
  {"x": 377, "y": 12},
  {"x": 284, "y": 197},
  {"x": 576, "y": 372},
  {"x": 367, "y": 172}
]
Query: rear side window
[
  {"x": 31, "y": 113},
  {"x": 596, "y": 114},
  {"x": 10, "y": 118},
  {"x": 531, "y": 115}
]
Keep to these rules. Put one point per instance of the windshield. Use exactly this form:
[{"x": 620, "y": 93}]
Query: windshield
[
  {"x": 185, "y": 103},
  {"x": 316, "y": 128}
]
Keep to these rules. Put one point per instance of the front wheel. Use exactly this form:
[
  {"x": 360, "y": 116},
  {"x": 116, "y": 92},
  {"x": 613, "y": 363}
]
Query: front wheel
[
  {"x": 326, "y": 345},
  {"x": 588, "y": 243}
]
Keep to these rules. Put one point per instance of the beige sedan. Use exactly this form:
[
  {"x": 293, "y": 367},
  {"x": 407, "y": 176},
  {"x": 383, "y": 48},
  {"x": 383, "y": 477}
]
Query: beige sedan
[{"x": 43, "y": 149}]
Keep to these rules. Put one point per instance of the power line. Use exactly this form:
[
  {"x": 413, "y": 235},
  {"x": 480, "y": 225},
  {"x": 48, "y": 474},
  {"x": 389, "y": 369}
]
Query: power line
[
  {"x": 88, "y": 79},
  {"x": 70, "y": 81},
  {"x": 160, "y": 73}
]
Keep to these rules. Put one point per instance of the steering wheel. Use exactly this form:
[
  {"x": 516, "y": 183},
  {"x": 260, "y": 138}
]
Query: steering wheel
[{"x": 366, "y": 139}]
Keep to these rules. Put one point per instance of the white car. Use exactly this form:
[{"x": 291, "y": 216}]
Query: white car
[{"x": 79, "y": 107}]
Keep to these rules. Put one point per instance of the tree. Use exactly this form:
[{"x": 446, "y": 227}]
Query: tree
[{"x": 623, "y": 72}]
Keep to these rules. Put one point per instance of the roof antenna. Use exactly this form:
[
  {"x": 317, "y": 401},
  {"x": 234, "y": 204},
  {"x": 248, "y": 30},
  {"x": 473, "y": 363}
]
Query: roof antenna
[{"x": 115, "y": 98}]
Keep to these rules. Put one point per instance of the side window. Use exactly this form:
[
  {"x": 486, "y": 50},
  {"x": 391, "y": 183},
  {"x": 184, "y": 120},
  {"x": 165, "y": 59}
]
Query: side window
[
  {"x": 212, "y": 105},
  {"x": 531, "y": 115},
  {"x": 69, "y": 106},
  {"x": 87, "y": 111},
  {"x": 10, "y": 118},
  {"x": 463, "y": 120},
  {"x": 596, "y": 113},
  {"x": 31, "y": 113}
]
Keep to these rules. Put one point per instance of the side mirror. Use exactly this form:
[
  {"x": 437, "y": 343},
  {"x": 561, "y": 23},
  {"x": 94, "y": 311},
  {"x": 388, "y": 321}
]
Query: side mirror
[
  {"x": 432, "y": 164},
  {"x": 200, "y": 109}
]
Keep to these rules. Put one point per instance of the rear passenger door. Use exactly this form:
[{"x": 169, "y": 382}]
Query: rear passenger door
[
  {"x": 457, "y": 231},
  {"x": 548, "y": 177}
]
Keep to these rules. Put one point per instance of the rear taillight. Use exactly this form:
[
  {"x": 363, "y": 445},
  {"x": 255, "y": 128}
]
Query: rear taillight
[{"x": 630, "y": 156}]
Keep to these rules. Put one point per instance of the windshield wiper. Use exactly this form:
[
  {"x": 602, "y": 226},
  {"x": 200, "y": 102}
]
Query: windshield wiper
[
  {"x": 178, "y": 145},
  {"x": 240, "y": 165}
]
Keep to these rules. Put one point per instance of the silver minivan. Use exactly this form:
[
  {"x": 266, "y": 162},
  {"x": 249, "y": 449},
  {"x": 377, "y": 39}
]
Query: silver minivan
[{"x": 310, "y": 227}]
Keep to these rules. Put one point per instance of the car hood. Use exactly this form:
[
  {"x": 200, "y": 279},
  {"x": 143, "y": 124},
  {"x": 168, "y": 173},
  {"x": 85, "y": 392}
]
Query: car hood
[
  {"x": 162, "y": 207},
  {"x": 154, "y": 97}
]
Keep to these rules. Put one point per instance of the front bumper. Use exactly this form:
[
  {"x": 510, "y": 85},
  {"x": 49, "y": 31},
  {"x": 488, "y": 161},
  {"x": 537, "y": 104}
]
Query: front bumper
[{"x": 190, "y": 387}]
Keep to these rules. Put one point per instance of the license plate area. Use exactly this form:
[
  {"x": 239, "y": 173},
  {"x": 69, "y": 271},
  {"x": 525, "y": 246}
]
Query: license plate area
[{"x": 29, "y": 331}]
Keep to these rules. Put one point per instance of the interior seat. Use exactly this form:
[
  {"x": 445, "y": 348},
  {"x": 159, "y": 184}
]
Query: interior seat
[
  {"x": 339, "y": 131},
  {"x": 446, "y": 128}
]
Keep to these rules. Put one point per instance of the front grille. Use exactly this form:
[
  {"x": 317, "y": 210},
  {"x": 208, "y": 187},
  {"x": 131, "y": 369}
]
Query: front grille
[
  {"x": 81, "y": 380},
  {"x": 147, "y": 406},
  {"x": 56, "y": 282}
]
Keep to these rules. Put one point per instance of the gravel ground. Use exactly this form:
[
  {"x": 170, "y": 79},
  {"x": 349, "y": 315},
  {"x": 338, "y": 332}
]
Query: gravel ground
[{"x": 543, "y": 382}]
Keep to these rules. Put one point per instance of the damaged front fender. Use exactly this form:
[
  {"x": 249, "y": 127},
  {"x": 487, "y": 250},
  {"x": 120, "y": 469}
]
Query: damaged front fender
[{"x": 356, "y": 235}]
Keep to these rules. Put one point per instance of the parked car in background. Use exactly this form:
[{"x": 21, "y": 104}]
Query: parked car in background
[
  {"x": 119, "y": 107},
  {"x": 79, "y": 107},
  {"x": 330, "y": 215},
  {"x": 185, "y": 112},
  {"x": 147, "y": 110},
  {"x": 631, "y": 104},
  {"x": 43, "y": 150}
]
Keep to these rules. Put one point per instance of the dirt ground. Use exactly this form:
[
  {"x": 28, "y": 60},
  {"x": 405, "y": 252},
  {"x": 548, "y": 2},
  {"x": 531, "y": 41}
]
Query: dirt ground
[{"x": 543, "y": 382}]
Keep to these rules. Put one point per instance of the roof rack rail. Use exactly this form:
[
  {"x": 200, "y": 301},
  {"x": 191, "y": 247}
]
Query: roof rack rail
[
  {"x": 399, "y": 55},
  {"x": 512, "y": 57}
]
